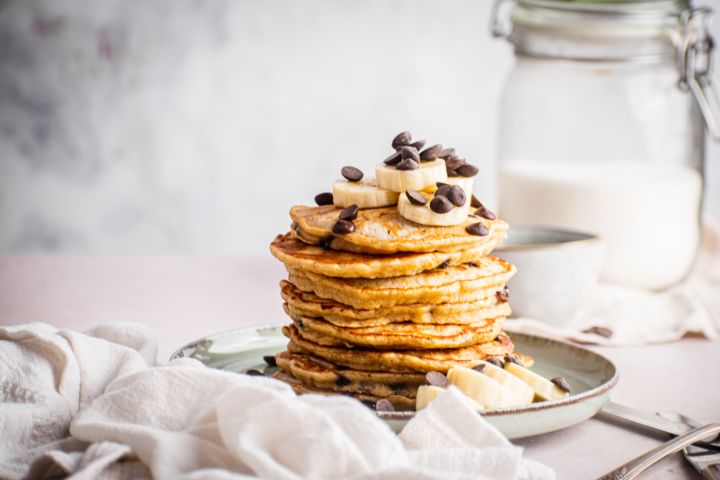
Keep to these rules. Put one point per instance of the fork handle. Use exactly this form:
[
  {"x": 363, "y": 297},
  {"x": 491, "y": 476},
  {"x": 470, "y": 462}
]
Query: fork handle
[{"x": 634, "y": 467}]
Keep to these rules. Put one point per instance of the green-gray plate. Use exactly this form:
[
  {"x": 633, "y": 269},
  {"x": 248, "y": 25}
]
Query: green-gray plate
[{"x": 590, "y": 375}]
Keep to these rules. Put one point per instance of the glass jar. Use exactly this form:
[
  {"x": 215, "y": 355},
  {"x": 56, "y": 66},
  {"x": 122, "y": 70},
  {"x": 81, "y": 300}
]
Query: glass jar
[{"x": 602, "y": 127}]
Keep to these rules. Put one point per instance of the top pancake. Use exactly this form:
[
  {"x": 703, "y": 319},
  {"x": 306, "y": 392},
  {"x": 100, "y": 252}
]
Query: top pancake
[
  {"x": 299, "y": 255},
  {"x": 384, "y": 231}
]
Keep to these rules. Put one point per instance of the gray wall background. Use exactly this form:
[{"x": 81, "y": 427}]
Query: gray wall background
[{"x": 191, "y": 126}]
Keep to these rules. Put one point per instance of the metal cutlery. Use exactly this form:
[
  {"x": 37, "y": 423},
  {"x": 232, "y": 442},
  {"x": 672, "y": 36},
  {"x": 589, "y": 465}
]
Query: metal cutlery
[{"x": 706, "y": 462}]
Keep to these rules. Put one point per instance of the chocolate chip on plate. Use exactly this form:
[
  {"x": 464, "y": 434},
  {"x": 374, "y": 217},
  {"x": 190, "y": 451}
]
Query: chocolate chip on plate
[
  {"x": 467, "y": 170},
  {"x": 514, "y": 359},
  {"x": 419, "y": 144},
  {"x": 352, "y": 174},
  {"x": 401, "y": 139},
  {"x": 474, "y": 202},
  {"x": 270, "y": 360},
  {"x": 408, "y": 164},
  {"x": 437, "y": 379},
  {"x": 456, "y": 195},
  {"x": 478, "y": 229},
  {"x": 342, "y": 227},
  {"x": 503, "y": 295},
  {"x": 447, "y": 153},
  {"x": 384, "y": 405},
  {"x": 484, "y": 213},
  {"x": 325, "y": 198},
  {"x": 393, "y": 159},
  {"x": 496, "y": 361},
  {"x": 431, "y": 153},
  {"x": 479, "y": 367},
  {"x": 254, "y": 373},
  {"x": 350, "y": 213},
  {"x": 561, "y": 383},
  {"x": 416, "y": 198},
  {"x": 410, "y": 152},
  {"x": 602, "y": 331},
  {"x": 440, "y": 205},
  {"x": 341, "y": 381},
  {"x": 444, "y": 264}
]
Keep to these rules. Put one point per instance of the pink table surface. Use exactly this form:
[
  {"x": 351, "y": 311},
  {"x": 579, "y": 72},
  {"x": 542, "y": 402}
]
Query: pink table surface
[{"x": 184, "y": 298}]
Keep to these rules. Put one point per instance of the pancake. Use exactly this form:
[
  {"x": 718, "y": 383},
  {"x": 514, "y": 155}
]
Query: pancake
[
  {"x": 383, "y": 230},
  {"x": 460, "y": 284},
  {"x": 310, "y": 305},
  {"x": 398, "y": 401},
  {"x": 322, "y": 374},
  {"x": 299, "y": 255},
  {"x": 400, "y": 335},
  {"x": 407, "y": 361}
]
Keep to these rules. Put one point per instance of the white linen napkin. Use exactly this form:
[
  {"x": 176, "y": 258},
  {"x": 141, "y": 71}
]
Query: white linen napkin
[
  {"x": 634, "y": 316},
  {"x": 92, "y": 406}
]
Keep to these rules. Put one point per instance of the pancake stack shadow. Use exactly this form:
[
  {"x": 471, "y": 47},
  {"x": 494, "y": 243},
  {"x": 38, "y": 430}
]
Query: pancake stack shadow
[{"x": 375, "y": 309}]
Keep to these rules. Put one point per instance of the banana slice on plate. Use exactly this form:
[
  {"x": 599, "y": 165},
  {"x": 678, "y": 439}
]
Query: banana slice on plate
[
  {"x": 364, "y": 194},
  {"x": 517, "y": 392},
  {"x": 426, "y": 175},
  {"x": 544, "y": 389},
  {"x": 424, "y": 215},
  {"x": 478, "y": 386},
  {"x": 428, "y": 393}
]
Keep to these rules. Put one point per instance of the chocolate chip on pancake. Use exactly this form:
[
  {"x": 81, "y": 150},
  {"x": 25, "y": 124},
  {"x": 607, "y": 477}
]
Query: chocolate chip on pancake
[
  {"x": 352, "y": 174},
  {"x": 393, "y": 159},
  {"x": 407, "y": 164},
  {"x": 431, "y": 153},
  {"x": 418, "y": 144},
  {"x": 342, "y": 381},
  {"x": 384, "y": 405},
  {"x": 441, "y": 205},
  {"x": 416, "y": 198},
  {"x": 342, "y": 227},
  {"x": 467, "y": 170},
  {"x": 474, "y": 202},
  {"x": 401, "y": 139},
  {"x": 326, "y": 242},
  {"x": 456, "y": 195},
  {"x": 514, "y": 359},
  {"x": 561, "y": 383},
  {"x": 437, "y": 379},
  {"x": 350, "y": 213},
  {"x": 484, "y": 212},
  {"x": 478, "y": 229},
  {"x": 325, "y": 198},
  {"x": 270, "y": 360},
  {"x": 479, "y": 367},
  {"x": 496, "y": 361},
  {"x": 444, "y": 264},
  {"x": 503, "y": 295}
]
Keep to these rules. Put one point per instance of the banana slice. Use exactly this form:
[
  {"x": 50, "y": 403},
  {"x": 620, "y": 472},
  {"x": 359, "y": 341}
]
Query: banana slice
[
  {"x": 544, "y": 389},
  {"x": 429, "y": 173},
  {"x": 364, "y": 194},
  {"x": 478, "y": 386},
  {"x": 428, "y": 393},
  {"x": 423, "y": 215},
  {"x": 517, "y": 392}
]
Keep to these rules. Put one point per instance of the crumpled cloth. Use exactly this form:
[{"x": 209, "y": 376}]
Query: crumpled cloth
[
  {"x": 633, "y": 316},
  {"x": 93, "y": 406}
]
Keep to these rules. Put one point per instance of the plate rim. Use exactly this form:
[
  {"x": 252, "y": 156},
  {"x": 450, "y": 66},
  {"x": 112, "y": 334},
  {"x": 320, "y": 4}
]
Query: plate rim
[{"x": 407, "y": 415}]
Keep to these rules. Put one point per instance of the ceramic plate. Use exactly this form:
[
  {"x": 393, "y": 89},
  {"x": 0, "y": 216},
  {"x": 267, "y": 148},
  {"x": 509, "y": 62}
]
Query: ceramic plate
[{"x": 590, "y": 375}]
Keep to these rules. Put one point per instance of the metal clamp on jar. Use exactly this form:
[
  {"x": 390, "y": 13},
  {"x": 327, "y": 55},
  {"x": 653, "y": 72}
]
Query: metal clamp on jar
[{"x": 602, "y": 127}]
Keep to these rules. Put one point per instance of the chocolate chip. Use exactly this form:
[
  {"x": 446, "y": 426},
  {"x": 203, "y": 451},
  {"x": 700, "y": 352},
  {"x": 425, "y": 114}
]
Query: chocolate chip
[
  {"x": 437, "y": 379},
  {"x": 444, "y": 264},
  {"x": 440, "y": 184},
  {"x": 431, "y": 153},
  {"x": 352, "y": 174},
  {"x": 384, "y": 405},
  {"x": 561, "y": 383},
  {"x": 484, "y": 213},
  {"x": 451, "y": 173},
  {"x": 467, "y": 170},
  {"x": 440, "y": 205},
  {"x": 496, "y": 361},
  {"x": 443, "y": 190},
  {"x": 254, "y": 373},
  {"x": 454, "y": 163},
  {"x": 479, "y": 367},
  {"x": 342, "y": 227},
  {"x": 397, "y": 388},
  {"x": 410, "y": 152},
  {"x": 326, "y": 242},
  {"x": 474, "y": 202},
  {"x": 503, "y": 295},
  {"x": 401, "y": 139},
  {"x": 325, "y": 198},
  {"x": 393, "y": 159},
  {"x": 472, "y": 264},
  {"x": 447, "y": 153},
  {"x": 416, "y": 198},
  {"x": 514, "y": 359},
  {"x": 477, "y": 229},
  {"x": 408, "y": 164},
  {"x": 601, "y": 331},
  {"x": 270, "y": 360},
  {"x": 418, "y": 145},
  {"x": 350, "y": 213},
  {"x": 456, "y": 195},
  {"x": 342, "y": 381}
]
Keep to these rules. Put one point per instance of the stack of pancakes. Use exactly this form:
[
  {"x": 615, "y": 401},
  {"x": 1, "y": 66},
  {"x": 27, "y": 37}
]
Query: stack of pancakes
[{"x": 374, "y": 310}]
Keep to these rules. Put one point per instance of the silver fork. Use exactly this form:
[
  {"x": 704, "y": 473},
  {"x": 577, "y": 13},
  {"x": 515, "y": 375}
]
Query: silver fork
[{"x": 706, "y": 462}]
